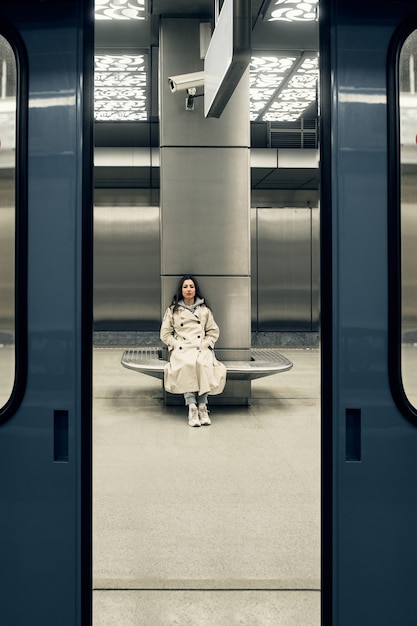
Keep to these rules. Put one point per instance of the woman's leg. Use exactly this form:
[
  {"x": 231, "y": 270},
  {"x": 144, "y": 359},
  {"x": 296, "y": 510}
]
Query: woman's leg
[
  {"x": 202, "y": 410},
  {"x": 191, "y": 401},
  {"x": 203, "y": 398},
  {"x": 190, "y": 398}
]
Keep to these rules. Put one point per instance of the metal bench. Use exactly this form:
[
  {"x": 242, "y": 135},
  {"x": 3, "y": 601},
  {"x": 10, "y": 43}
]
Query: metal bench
[{"x": 264, "y": 362}]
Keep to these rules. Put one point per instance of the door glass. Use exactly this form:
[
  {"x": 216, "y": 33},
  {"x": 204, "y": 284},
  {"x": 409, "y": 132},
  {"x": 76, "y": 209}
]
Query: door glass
[
  {"x": 8, "y": 99},
  {"x": 408, "y": 198}
]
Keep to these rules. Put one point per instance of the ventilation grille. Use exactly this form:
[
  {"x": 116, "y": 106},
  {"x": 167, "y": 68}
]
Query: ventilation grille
[{"x": 299, "y": 134}]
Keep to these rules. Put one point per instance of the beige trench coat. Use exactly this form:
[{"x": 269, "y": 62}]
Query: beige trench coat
[{"x": 192, "y": 364}]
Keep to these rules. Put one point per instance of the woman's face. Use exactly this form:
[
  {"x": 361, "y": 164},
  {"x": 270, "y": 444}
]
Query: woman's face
[{"x": 188, "y": 289}]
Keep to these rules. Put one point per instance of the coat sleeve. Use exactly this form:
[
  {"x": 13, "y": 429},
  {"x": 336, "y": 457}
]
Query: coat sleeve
[
  {"x": 167, "y": 330},
  {"x": 212, "y": 331}
]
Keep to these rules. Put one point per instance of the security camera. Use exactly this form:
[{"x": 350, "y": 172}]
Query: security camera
[{"x": 182, "y": 82}]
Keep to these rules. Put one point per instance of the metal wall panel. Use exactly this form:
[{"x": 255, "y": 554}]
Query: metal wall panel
[
  {"x": 254, "y": 268},
  {"x": 315, "y": 269},
  {"x": 204, "y": 229},
  {"x": 284, "y": 269},
  {"x": 409, "y": 267},
  {"x": 7, "y": 273},
  {"x": 126, "y": 268}
]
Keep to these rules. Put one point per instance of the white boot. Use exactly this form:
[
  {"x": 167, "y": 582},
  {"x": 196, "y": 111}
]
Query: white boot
[
  {"x": 193, "y": 415},
  {"x": 204, "y": 415}
]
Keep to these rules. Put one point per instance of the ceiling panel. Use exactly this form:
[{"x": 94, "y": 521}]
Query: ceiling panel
[
  {"x": 268, "y": 38},
  {"x": 287, "y": 178}
]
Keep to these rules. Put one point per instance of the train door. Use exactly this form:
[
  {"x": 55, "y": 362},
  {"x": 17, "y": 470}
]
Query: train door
[
  {"x": 45, "y": 312},
  {"x": 369, "y": 432}
]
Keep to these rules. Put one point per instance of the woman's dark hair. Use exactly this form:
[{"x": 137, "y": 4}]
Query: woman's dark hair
[{"x": 178, "y": 295}]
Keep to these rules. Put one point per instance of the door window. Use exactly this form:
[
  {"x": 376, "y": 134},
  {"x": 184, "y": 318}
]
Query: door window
[
  {"x": 13, "y": 221},
  {"x": 8, "y": 110},
  {"x": 403, "y": 219}
]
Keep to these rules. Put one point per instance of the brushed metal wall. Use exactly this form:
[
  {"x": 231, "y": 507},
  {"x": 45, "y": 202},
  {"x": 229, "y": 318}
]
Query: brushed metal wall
[
  {"x": 285, "y": 269},
  {"x": 127, "y": 285},
  {"x": 284, "y": 265},
  {"x": 205, "y": 226},
  {"x": 409, "y": 267},
  {"x": 7, "y": 273}
]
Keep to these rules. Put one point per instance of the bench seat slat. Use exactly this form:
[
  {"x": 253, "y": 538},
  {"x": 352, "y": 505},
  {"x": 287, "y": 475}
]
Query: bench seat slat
[{"x": 265, "y": 362}]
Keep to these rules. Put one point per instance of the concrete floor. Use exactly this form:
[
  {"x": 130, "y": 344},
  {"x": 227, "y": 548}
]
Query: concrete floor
[{"x": 206, "y": 526}]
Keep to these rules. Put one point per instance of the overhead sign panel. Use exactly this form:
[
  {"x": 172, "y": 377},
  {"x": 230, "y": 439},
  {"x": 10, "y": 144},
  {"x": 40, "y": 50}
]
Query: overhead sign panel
[{"x": 228, "y": 55}]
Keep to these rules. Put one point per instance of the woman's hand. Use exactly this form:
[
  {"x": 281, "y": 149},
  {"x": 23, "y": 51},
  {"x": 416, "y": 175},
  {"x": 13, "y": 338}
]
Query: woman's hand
[{"x": 207, "y": 344}]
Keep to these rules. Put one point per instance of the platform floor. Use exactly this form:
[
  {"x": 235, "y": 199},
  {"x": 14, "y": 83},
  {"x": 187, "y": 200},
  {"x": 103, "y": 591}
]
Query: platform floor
[{"x": 211, "y": 526}]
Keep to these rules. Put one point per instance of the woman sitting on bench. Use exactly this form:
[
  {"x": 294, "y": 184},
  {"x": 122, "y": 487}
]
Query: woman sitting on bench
[{"x": 190, "y": 332}]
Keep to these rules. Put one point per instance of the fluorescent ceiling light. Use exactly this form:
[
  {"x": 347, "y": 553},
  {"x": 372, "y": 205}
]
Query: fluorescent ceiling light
[
  {"x": 266, "y": 75},
  {"x": 120, "y": 87},
  {"x": 281, "y": 89},
  {"x": 120, "y": 10},
  {"x": 292, "y": 11}
]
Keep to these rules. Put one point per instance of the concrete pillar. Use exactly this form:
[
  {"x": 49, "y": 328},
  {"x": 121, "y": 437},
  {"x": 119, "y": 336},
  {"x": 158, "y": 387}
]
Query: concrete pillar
[{"x": 205, "y": 198}]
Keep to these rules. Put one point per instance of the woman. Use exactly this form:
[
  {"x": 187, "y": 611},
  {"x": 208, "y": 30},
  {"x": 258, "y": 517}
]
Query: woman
[{"x": 190, "y": 332}]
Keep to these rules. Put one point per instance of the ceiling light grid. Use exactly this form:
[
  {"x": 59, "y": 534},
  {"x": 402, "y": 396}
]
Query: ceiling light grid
[
  {"x": 120, "y": 10},
  {"x": 120, "y": 87},
  {"x": 266, "y": 76},
  {"x": 282, "y": 96},
  {"x": 292, "y": 11}
]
